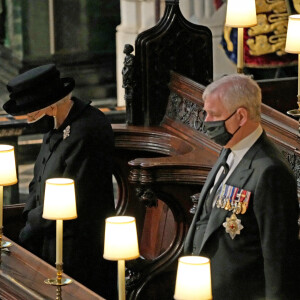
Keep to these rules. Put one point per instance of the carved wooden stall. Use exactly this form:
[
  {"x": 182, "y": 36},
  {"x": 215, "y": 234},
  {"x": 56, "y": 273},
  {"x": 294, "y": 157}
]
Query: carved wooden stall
[
  {"x": 161, "y": 190},
  {"x": 173, "y": 44},
  {"x": 162, "y": 157},
  {"x": 22, "y": 274},
  {"x": 168, "y": 155},
  {"x": 22, "y": 277}
]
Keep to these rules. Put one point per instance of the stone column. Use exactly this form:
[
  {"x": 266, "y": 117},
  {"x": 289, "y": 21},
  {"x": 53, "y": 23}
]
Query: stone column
[{"x": 14, "y": 29}]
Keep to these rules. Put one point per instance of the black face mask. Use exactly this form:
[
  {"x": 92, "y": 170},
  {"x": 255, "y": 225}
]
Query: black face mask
[
  {"x": 43, "y": 125},
  {"x": 216, "y": 131}
]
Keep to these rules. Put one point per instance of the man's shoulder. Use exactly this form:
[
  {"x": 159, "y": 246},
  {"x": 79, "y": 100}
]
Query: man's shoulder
[{"x": 269, "y": 155}]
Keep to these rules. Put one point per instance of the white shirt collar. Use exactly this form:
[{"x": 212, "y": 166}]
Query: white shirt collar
[
  {"x": 241, "y": 148},
  {"x": 238, "y": 152}
]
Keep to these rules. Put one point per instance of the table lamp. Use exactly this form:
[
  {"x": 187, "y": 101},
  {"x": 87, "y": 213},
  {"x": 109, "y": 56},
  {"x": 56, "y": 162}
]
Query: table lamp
[
  {"x": 8, "y": 176},
  {"x": 193, "y": 281},
  {"x": 59, "y": 205},
  {"x": 240, "y": 14},
  {"x": 120, "y": 243},
  {"x": 292, "y": 45}
]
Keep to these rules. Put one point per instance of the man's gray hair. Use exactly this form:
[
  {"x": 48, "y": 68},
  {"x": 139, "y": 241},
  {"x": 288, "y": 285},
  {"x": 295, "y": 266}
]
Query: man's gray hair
[{"x": 237, "y": 90}]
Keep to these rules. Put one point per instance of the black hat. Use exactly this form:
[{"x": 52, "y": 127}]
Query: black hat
[{"x": 36, "y": 89}]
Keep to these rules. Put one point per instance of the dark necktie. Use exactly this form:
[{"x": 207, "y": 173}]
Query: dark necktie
[{"x": 211, "y": 196}]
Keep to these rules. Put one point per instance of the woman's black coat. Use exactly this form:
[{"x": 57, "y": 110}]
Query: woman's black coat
[{"x": 80, "y": 149}]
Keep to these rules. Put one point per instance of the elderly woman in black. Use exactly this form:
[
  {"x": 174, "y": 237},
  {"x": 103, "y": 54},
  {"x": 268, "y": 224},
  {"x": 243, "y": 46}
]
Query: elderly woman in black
[{"x": 78, "y": 144}]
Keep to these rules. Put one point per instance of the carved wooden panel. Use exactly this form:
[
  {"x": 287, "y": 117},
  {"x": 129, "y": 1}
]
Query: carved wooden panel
[
  {"x": 173, "y": 44},
  {"x": 22, "y": 277},
  {"x": 164, "y": 184}
]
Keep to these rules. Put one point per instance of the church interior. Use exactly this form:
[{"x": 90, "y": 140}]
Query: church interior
[{"x": 145, "y": 65}]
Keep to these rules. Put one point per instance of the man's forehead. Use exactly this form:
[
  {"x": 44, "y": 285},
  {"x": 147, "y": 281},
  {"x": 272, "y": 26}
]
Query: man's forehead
[
  {"x": 213, "y": 100},
  {"x": 214, "y": 105}
]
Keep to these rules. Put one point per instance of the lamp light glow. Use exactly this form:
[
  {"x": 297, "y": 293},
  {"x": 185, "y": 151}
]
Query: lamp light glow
[
  {"x": 60, "y": 202},
  {"x": 59, "y": 205},
  {"x": 292, "y": 44},
  {"x": 8, "y": 175},
  {"x": 120, "y": 242},
  {"x": 241, "y": 13},
  {"x": 193, "y": 281}
]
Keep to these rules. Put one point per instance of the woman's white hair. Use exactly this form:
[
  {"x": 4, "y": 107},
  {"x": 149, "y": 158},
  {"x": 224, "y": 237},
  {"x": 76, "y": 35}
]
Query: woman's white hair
[
  {"x": 64, "y": 100},
  {"x": 237, "y": 90}
]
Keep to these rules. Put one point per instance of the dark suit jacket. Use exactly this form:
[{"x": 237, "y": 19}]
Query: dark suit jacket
[
  {"x": 260, "y": 263},
  {"x": 85, "y": 155}
]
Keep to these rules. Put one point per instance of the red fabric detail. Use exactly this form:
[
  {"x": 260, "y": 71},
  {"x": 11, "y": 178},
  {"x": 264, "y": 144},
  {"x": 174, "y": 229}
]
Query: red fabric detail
[
  {"x": 218, "y": 3},
  {"x": 267, "y": 60}
]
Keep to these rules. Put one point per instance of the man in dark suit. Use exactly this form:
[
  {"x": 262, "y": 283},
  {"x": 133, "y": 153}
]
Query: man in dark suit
[
  {"x": 78, "y": 144},
  {"x": 246, "y": 219}
]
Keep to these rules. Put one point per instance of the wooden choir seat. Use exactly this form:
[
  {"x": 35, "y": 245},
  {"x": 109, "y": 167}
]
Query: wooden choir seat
[
  {"x": 22, "y": 277},
  {"x": 159, "y": 170},
  {"x": 162, "y": 156},
  {"x": 170, "y": 168}
]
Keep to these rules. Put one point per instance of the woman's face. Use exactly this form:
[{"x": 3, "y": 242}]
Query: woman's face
[{"x": 36, "y": 115}]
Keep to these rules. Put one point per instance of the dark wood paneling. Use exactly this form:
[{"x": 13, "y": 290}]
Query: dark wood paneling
[{"x": 22, "y": 277}]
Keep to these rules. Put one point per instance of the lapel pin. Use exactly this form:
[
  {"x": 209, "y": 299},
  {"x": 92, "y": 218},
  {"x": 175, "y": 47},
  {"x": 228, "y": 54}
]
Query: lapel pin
[{"x": 66, "y": 132}]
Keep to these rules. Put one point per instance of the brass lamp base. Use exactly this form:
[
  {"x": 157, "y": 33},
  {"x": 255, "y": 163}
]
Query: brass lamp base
[
  {"x": 295, "y": 113},
  {"x": 58, "y": 281},
  {"x": 3, "y": 247},
  {"x": 5, "y": 244}
]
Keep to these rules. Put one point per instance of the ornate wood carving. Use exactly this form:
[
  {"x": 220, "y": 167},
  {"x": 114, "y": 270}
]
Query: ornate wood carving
[
  {"x": 173, "y": 44},
  {"x": 22, "y": 277},
  {"x": 176, "y": 174},
  {"x": 185, "y": 111},
  {"x": 147, "y": 196},
  {"x": 129, "y": 82},
  {"x": 162, "y": 160},
  {"x": 294, "y": 161}
]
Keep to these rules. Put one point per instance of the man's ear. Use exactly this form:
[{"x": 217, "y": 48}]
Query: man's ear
[{"x": 243, "y": 115}]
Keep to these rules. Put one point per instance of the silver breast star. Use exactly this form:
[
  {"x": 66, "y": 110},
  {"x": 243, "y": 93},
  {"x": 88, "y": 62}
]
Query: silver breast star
[{"x": 233, "y": 226}]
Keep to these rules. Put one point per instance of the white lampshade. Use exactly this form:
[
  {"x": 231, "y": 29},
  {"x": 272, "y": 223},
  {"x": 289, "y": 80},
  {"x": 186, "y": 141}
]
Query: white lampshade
[
  {"x": 8, "y": 175},
  {"x": 241, "y": 13},
  {"x": 120, "y": 242},
  {"x": 60, "y": 201},
  {"x": 193, "y": 281},
  {"x": 293, "y": 35}
]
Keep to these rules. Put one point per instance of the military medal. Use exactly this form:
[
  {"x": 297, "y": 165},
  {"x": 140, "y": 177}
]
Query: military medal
[
  {"x": 236, "y": 200},
  {"x": 230, "y": 195},
  {"x": 245, "y": 202},
  {"x": 238, "y": 208},
  {"x": 225, "y": 197},
  {"x": 233, "y": 226},
  {"x": 233, "y": 200},
  {"x": 220, "y": 197}
]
